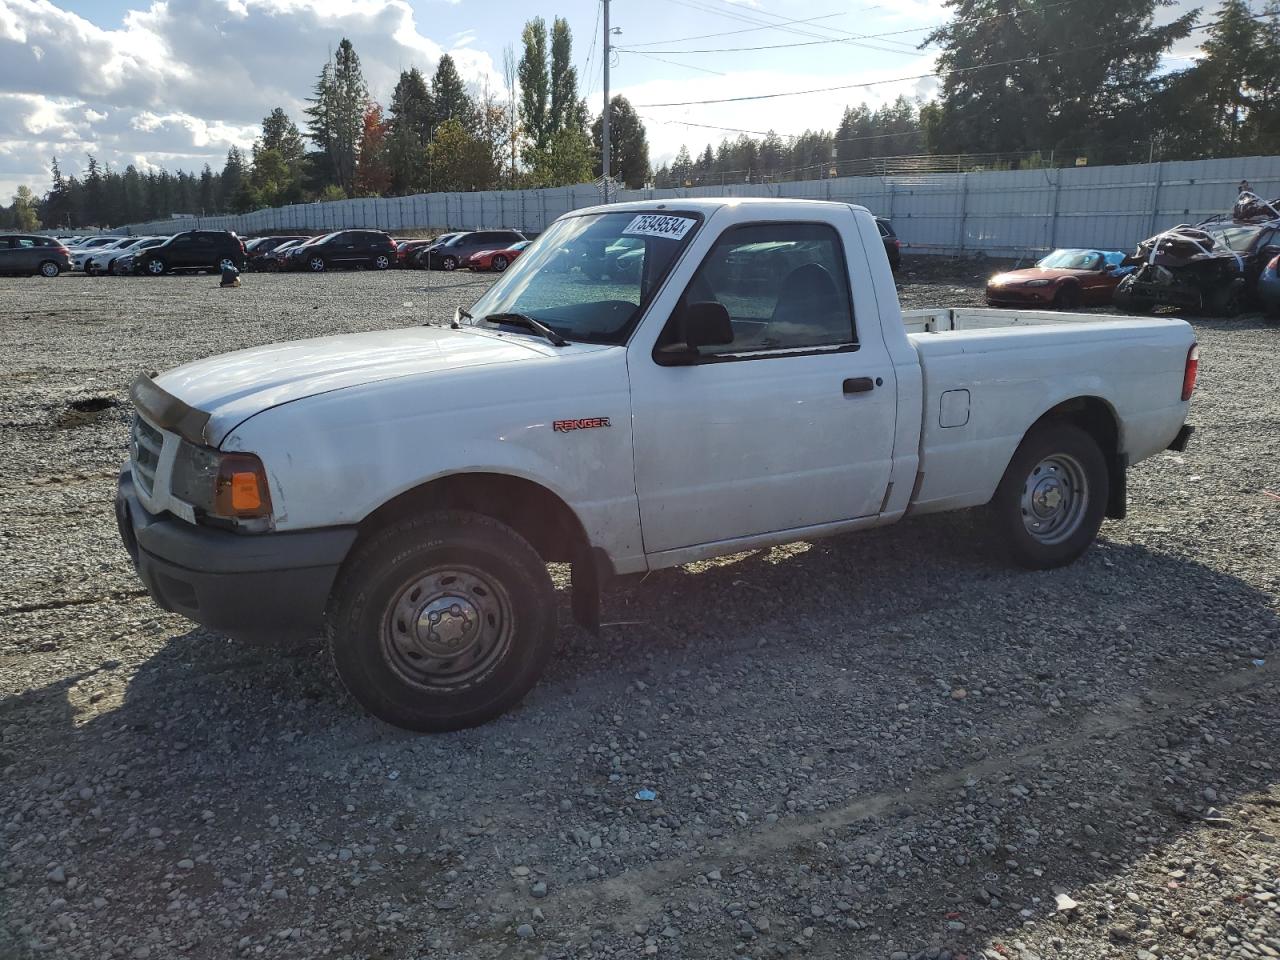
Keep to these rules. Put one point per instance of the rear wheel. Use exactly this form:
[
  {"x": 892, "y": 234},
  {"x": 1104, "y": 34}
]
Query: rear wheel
[
  {"x": 1228, "y": 301},
  {"x": 227, "y": 263},
  {"x": 1051, "y": 501},
  {"x": 499, "y": 263},
  {"x": 381, "y": 262},
  {"x": 442, "y": 622},
  {"x": 49, "y": 269}
]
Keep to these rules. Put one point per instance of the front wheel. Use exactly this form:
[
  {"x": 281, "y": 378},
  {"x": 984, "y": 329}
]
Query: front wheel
[
  {"x": 156, "y": 267},
  {"x": 449, "y": 263},
  {"x": 49, "y": 269},
  {"x": 1067, "y": 297},
  {"x": 442, "y": 622},
  {"x": 1051, "y": 501},
  {"x": 1228, "y": 301},
  {"x": 499, "y": 263},
  {"x": 316, "y": 265}
]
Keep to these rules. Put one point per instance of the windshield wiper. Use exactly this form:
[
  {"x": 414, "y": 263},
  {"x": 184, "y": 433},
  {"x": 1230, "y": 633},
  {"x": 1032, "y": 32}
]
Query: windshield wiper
[{"x": 524, "y": 320}]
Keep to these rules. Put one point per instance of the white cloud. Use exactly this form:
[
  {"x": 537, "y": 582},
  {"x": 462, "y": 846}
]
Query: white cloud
[{"x": 183, "y": 80}]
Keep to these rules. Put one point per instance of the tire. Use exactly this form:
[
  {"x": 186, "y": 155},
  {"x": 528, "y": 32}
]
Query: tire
[
  {"x": 1067, "y": 297},
  {"x": 1229, "y": 300},
  {"x": 316, "y": 264},
  {"x": 382, "y": 262},
  {"x": 449, "y": 264},
  {"x": 499, "y": 263},
  {"x": 156, "y": 267},
  {"x": 226, "y": 262},
  {"x": 1051, "y": 500},
  {"x": 454, "y": 561},
  {"x": 49, "y": 269}
]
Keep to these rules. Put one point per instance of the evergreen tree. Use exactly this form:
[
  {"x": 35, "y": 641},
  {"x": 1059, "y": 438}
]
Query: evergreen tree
[
  {"x": 336, "y": 114},
  {"x": 628, "y": 145},
  {"x": 449, "y": 95},
  {"x": 564, "y": 78},
  {"x": 410, "y": 122}
]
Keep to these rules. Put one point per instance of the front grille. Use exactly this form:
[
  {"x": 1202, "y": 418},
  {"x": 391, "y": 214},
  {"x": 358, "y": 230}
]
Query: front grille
[{"x": 147, "y": 441}]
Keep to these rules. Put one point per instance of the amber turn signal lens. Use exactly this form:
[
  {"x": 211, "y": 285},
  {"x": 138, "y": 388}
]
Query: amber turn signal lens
[{"x": 242, "y": 489}]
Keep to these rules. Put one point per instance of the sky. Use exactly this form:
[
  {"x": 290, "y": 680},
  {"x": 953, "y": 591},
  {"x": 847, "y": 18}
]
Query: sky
[{"x": 176, "y": 83}]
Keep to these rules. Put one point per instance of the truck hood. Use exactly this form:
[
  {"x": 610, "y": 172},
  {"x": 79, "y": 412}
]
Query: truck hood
[{"x": 233, "y": 387}]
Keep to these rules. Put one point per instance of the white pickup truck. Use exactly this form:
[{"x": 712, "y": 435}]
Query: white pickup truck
[{"x": 649, "y": 384}]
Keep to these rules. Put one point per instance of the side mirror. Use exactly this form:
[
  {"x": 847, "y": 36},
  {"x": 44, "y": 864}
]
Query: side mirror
[
  {"x": 706, "y": 324},
  {"x": 701, "y": 324}
]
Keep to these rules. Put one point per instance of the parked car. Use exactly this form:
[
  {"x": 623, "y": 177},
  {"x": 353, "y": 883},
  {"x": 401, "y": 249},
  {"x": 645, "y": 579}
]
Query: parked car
[
  {"x": 451, "y": 254},
  {"x": 495, "y": 260},
  {"x": 126, "y": 264},
  {"x": 210, "y": 250},
  {"x": 420, "y": 258},
  {"x": 279, "y": 257},
  {"x": 88, "y": 243},
  {"x": 1212, "y": 267},
  {"x": 405, "y": 250},
  {"x": 27, "y": 254},
  {"x": 404, "y": 489},
  {"x": 892, "y": 245},
  {"x": 343, "y": 248},
  {"x": 82, "y": 256},
  {"x": 1066, "y": 278},
  {"x": 103, "y": 259},
  {"x": 1269, "y": 288},
  {"x": 261, "y": 250}
]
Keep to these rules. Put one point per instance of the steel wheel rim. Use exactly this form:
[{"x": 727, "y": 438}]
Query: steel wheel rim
[
  {"x": 447, "y": 627},
  {"x": 1055, "y": 496}
]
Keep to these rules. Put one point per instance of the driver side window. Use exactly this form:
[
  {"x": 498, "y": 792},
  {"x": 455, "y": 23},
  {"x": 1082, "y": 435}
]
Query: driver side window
[{"x": 784, "y": 285}]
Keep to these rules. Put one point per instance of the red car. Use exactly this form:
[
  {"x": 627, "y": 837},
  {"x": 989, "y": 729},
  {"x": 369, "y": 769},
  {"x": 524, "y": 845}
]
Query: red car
[
  {"x": 1065, "y": 279},
  {"x": 495, "y": 260}
]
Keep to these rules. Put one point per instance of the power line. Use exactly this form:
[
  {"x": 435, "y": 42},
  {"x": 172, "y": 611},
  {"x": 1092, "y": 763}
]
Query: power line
[
  {"x": 831, "y": 30},
  {"x": 919, "y": 76},
  {"x": 702, "y": 7},
  {"x": 730, "y": 33},
  {"x": 687, "y": 66},
  {"x": 591, "y": 53},
  {"x": 864, "y": 36}
]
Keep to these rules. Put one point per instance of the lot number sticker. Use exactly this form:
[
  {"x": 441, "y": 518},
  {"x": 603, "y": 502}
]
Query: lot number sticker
[{"x": 654, "y": 225}]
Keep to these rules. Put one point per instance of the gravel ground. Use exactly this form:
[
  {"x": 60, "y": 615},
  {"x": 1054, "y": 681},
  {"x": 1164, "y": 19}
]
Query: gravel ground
[{"x": 919, "y": 754}]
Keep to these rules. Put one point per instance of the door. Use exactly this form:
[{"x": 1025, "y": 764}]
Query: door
[
  {"x": 26, "y": 254},
  {"x": 791, "y": 424},
  {"x": 180, "y": 251},
  {"x": 9, "y": 255},
  {"x": 341, "y": 249}
]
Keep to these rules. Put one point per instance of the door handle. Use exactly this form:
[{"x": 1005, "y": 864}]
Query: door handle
[{"x": 859, "y": 385}]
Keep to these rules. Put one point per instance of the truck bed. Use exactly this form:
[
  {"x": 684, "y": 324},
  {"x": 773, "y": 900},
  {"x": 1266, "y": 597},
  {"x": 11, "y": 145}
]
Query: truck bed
[{"x": 949, "y": 319}]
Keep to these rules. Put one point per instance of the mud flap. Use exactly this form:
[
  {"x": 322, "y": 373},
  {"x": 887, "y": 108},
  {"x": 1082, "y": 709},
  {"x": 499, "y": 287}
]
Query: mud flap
[
  {"x": 585, "y": 581},
  {"x": 1118, "y": 488}
]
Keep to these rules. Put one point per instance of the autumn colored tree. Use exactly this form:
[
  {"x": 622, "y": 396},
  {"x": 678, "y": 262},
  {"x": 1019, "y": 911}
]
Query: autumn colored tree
[{"x": 373, "y": 167}]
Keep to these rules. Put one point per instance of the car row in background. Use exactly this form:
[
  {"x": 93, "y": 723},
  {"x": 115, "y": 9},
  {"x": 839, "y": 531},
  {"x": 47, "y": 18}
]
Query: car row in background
[{"x": 28, "y": 254}]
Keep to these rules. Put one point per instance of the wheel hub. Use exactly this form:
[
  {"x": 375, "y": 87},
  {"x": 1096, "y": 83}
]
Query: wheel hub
[
  {"x": 447, "y": 626},
  {"x": 1048, "y": 497},
  {"x": 1055, "y": 498}
]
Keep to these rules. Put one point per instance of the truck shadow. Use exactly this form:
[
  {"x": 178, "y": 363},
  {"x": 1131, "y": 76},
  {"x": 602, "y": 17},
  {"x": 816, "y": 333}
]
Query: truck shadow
[{"x": 905, "y": 673}]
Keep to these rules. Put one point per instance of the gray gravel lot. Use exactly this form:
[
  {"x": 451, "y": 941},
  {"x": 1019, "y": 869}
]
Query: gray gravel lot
[{"x": 885, "y": 746}]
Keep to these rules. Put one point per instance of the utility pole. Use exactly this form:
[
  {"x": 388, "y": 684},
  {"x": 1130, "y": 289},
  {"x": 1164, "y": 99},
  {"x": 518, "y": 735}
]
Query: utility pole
[{"x": 604, "y": 118}]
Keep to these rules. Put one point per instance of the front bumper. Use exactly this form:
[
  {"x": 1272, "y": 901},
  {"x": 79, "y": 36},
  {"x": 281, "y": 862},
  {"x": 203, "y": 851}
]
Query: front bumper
[
  {"x": 273, "y": 585},
  {"x": 1018, "y": 296}
]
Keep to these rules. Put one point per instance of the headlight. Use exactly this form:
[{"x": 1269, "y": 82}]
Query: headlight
[
  {"x": 1037, "y": 283},
  {"x": 224, "y": 486}
]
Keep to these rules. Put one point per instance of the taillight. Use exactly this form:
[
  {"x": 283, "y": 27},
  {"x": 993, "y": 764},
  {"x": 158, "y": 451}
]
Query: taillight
[{"x": 1190, "y": 371}]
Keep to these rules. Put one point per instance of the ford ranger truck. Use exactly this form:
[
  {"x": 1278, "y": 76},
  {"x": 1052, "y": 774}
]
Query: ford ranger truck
[{"x": 750, "y": 381}]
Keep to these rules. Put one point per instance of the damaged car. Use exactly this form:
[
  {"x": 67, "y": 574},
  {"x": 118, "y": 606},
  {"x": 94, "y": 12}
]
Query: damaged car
[{"x": 1211, "y": 268}]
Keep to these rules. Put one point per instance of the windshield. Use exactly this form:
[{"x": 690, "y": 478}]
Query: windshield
[
  {"x": 1073, "y": 260},
  {"x": 588, "y": 276},
  {"x": 1239, "y": 239}
]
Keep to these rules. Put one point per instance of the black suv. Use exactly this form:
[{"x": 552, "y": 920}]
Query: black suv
[
  {"x": 194, "y": 250},
  {"x": 346, "y": 248},
  {"x": 892, "y": 245},
  {"x": 451, "y": 253}
]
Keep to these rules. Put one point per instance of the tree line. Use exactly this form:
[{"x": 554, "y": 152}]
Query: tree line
[{"x": 1034, "y": 81}]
